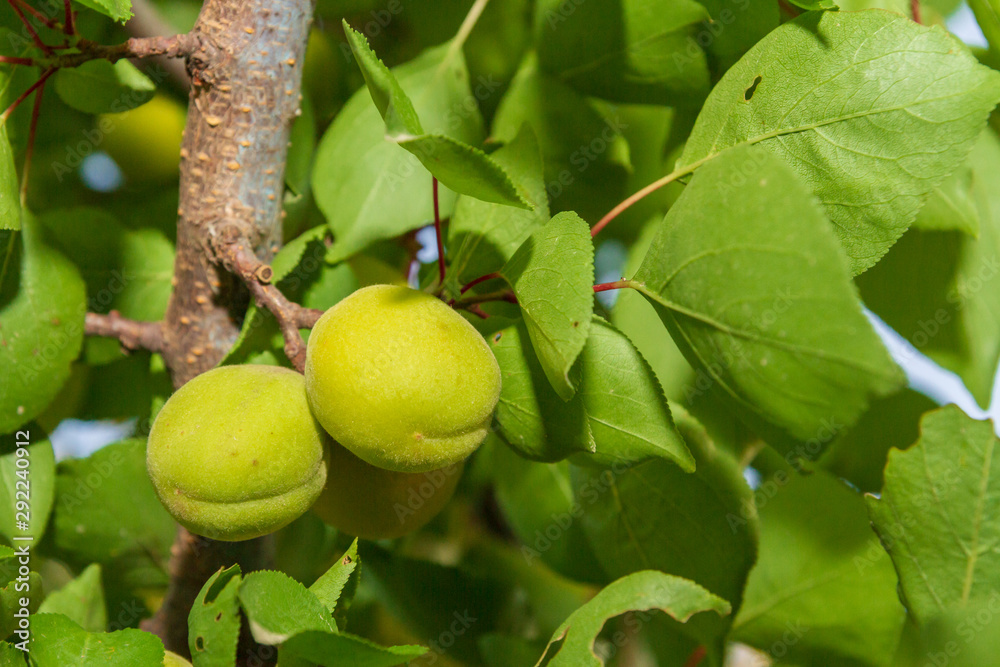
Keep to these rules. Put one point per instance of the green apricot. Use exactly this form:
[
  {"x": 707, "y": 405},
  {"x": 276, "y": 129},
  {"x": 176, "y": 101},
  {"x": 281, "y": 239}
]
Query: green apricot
[
  {"x": 235, "y": 453},
  {"x": 376, "y": 504},
  {"x": 401, "y": 380}
]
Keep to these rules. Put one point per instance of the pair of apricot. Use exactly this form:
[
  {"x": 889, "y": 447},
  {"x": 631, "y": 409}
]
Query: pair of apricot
[{"x": 398, "y": 390}]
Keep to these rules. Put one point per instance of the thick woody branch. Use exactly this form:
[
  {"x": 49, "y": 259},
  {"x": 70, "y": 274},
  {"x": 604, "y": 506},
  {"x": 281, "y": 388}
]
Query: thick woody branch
[
  {"x": 133, "y": 334},
  {"x": 237, "y": 258}
]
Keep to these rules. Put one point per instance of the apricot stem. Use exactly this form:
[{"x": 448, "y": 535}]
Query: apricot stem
[{"x": 437, "y": 231}]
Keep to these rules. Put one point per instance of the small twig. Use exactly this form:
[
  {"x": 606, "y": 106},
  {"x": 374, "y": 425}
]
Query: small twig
[
  {"x": 789, "y": 8},
  {"x": 133, "y": 334},
  {"x": 29, "y": 150},
  {"x": 175, "y": 46},
  {"x": 16, "y": 103},
  {"x": 12, "y": 60},
  {"x": 476, "y": 281},
  {"x": 51, "y": 23},
  {"x": 618, "y": 284},
  {"x": 915, "y": 10},
  {"x": 437, "y": 231},
  {"x": 27, "y": 24},
  {"x": 147, "y": 21},
  {"x": 237, "y": 257},
  {"x": 499, "y": 295},
  {"x": 70, "y": 28}
]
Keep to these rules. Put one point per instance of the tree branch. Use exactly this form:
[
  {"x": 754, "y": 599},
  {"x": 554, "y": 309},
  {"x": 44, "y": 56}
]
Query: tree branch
[
  {"x": 237, "y": 258},
  {"x": 133, "y": 334},
  {"x": 176, "y": 46}
]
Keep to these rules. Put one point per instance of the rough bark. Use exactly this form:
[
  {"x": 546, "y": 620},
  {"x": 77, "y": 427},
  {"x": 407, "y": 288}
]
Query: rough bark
[{"x": 245, "y": 76}]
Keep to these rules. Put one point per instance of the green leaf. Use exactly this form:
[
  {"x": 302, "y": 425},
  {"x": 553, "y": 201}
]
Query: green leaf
[
  {"x": 119, "y": 10},
  {"x": 107, "y": 512},
  {"x": 951, "y": 205},
  {"x": 81, "y": 600},
  {"x": 10, "y": 655},
  {"x": 482, "y": 236},
  {"x": 33, "y": 483},
  {"x": 586, "y": 159},
  {"x": 12, "y": 592},
  {"x": 10, "y": 206},
  {"x": 810, "y": 5},
  {"x": 754, "y": 288},
  {"x": 214, "y": 621},
  {"x": 872, "y": 125},
  {"x": 531, "y": 418},
  {"x": 629, "y": 51},
  {"x": 430, "y": 598},
  {"x": 334, "y": 582},
  {"x": 734, "y": 28},
  {"x": 459, "y": 166},
  {"x": 335, "y": 650},
  {"x": 58, "y": 641},
  {"x": 822, "y": 590},
  {"x": 41, "y": 324},
  {"x": 98, "y": 86},
  {"x": 536, "y": 500},
  {"x": 637, "y": 517},
  {"x": 552, "y": 274},
  {"x": 619, "y": 413},
  {"x": 941, "y": 291},
  {"x": 369, "y": 188},
  {"x": 278, "y": 607},
  {"x": 859, "y": 454},
  {"x": 642, "y": 591},
  {"x": 935, "y": 514}
]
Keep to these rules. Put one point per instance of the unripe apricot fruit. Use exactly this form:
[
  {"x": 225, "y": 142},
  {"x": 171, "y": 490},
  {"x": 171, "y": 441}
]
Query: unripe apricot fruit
[
  {"x": 376, "y": 504},
  {"x": 235, "y": 453},
  {"x": 400, "y": 379}
]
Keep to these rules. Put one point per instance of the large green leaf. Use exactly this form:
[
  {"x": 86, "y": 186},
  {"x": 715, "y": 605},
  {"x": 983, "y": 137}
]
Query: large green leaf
[
  {"x": 371, "y": 189},
  {"x": 734, "y": 28},
  {"x": 32, "y": 482},
  {"x": 640, "y": 591},
  {"x": 483, "y": 235},
  {"x": 937, "y": 514},
  {"x": 107, "y": 512},
  {"x": 586, "y": 158},
  {"x": 459, "y": 166},
  {"x": 81, "y": 600},
  {"x": 653, "y": 515},
  {"x": 625, "y": 50},
  {"x": 941, "y": 290},
  {"x": 871, "y": 124},
  {"x": 42, "y": 301},
  {"x": 58, "y": 641},
  {"x": 822, "y": 591},
  {"x": 98, "y": 86},
  {"x": 755, "y": 290},
  {"x": 552, "y": 274},
  {"x": 618, "y": 415}
]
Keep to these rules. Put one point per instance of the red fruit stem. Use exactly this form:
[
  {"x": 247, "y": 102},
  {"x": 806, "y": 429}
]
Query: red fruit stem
[
  {"x": 618, "y": 284},
  {"x": 30, "y": 149},
  {"x": 915, "y": 10},
  {"x": 480, "y": 279},
  {"x": 696, "y": 657},
  {"x": 41, "y": 81},
  {"x": 69, "y": 28},
  {"x": 437, "y": 230},
  {"x": 27, "y": 24},
  {"x": 11, "y": 60}
]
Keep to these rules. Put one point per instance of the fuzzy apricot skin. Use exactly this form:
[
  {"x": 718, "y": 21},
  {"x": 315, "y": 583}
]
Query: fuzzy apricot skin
[
  {"x": 401, "y": 380},
  {"x": 235, "y": 453},
  {"x": 376, "y": 504}
]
